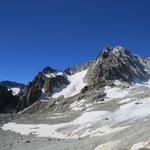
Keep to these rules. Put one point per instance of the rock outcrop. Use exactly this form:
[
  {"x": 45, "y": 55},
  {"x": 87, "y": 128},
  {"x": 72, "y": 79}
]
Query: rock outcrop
[
  {"x": 8, "y": 102},
  {"x": 41, "y": 87}
]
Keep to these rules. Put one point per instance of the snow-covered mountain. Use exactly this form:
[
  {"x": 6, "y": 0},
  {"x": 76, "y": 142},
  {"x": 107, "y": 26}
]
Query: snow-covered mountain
[{"x": 100, "y": 105}]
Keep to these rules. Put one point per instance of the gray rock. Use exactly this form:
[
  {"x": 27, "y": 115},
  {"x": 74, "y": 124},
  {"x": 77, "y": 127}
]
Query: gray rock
[{"x": 116, "y": 64}]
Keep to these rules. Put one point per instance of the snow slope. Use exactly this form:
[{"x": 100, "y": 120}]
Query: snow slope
[{"x": 75, "y": 86}]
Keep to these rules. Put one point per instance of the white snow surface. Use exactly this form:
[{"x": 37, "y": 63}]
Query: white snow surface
[
  {"x": 79, "y": 127},
  {"x": 115, "y": 92},
  {"x": 75, "y": 86},
  {"x": 53, "y": 75},
  {"x": 140, "y": 145},
  {"x": 15, "y": 91},
  {"x": 93, "y": 123}
]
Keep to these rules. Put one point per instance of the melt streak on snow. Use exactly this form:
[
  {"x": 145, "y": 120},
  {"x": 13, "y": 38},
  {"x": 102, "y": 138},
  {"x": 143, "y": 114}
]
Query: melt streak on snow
[{"x": 75, "y": 86}]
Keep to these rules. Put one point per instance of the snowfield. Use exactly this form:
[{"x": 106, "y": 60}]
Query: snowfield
[
  {"x": 75, "y": 86},
  {"x": 131, "y": 112},
  {"x": 115, "y": 92},
  {"x": 78, "y": 128}
]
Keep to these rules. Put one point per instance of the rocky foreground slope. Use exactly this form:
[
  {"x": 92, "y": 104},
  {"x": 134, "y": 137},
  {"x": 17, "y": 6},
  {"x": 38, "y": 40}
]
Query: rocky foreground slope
[{"x": 101, "y": 105}]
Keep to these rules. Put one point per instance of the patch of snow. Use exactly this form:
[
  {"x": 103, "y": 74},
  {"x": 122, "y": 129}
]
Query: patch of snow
[
  {"x": 56, "y": 117},
  {"x": 74, "y": 129},
  {"x": 75, "y": 86},
  {"x": 131, "y": 111},
  {"x": 86, "y": 124},
  {"x": 15, "y": 91},
  {"x": 115, "y": 92},
  {"x": 43, "y": 90},
  {"x": 141, "y": 92},
  {"x": 107, "y": 146},
  {"x": 106, "y": 130},
  {"x": 78, "y": 108},
  {"x": 91, "y": 123},
  {"x": 125, "y": 100},
  {"x": 138, "y": 146},
  {"x": 147, "y": 84},
  {"x": 117, "y": 83},
  {"x": 53, "y": 75},
  {"x": 88, "y": 105},
  {"x": 141, "y": 83},
  {"x": 77, "y": 105}
]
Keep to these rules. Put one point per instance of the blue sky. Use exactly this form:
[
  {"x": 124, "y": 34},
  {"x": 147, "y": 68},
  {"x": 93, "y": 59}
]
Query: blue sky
[{"x": 61, "y": 33}]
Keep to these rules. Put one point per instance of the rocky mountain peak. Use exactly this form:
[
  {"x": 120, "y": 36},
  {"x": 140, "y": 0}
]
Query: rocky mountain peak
[
  {"x": 49, "y": 70},
  {"x": 42, "y": 86},
  {"x": 116, "y": 63},
  {"x": 111, "y": 64}
]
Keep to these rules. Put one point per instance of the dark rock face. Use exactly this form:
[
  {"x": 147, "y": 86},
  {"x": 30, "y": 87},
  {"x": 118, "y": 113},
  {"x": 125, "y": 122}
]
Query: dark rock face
[
  {"x": 42, "y": 84},
  {"x": 28, "y": 96},
  {"x": 7, "y": 100},
  {"x": 11, "y": 84},
  {"x": 49, "y": 79},
  {"x": 116, "y": 63}
]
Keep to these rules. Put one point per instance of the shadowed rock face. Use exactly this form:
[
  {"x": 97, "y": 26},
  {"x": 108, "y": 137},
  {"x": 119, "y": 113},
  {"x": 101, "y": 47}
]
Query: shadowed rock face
[
  {"x": 11, "y": 84},
  {"x": 43, "y": 83},
  {"x": 116, "y": 63},
  {"x": 7, "y": 100}
]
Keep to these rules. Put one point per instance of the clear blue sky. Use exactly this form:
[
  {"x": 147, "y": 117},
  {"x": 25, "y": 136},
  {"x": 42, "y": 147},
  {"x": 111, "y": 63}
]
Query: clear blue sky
[{"x": 60, "y": 33}]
